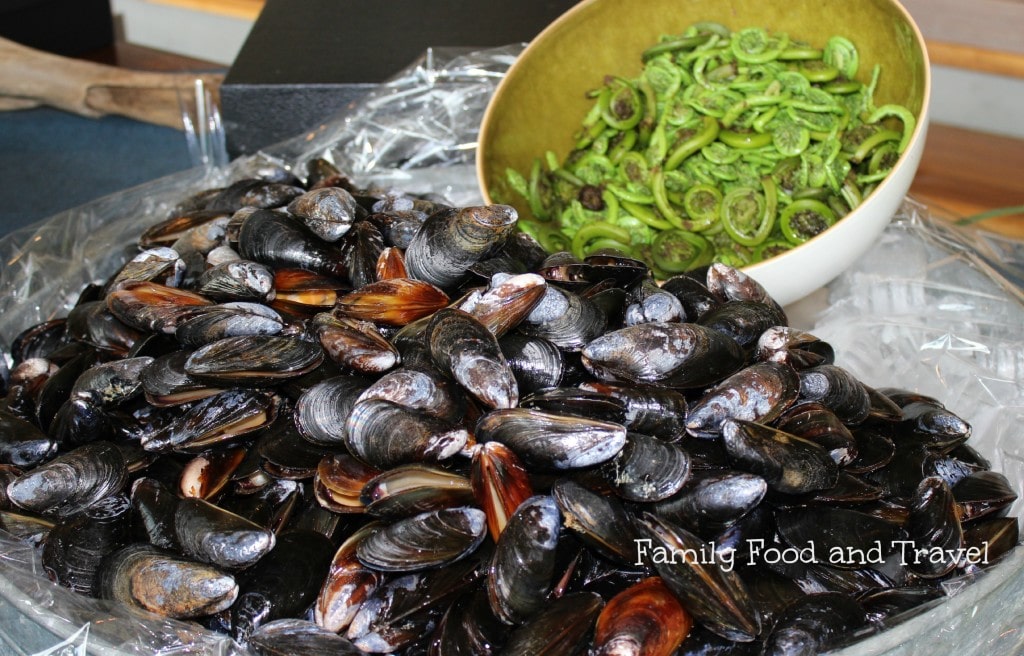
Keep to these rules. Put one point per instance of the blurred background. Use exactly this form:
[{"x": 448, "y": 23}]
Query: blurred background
[{"x": 287, "y": 64}]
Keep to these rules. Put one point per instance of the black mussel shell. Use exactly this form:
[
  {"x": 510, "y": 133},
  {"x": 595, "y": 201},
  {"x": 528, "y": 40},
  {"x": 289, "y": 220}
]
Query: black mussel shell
[
  {"x": 522, "y": 570},
  {"x": 291, "y": 636},
  {"x": 71, "y": 482},
  {"x": 427, "y": 540}
]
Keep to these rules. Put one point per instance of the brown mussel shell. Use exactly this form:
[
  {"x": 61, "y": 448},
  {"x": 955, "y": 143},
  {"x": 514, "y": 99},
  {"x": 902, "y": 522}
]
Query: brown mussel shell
[
  {"x": 161, "y": 582},
  {"x": 645, "y": 618}
]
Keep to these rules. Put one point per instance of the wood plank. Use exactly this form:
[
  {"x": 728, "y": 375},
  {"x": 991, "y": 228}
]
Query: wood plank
[
  {"x": 966, "y": 172},
  {"x": 957, "y": 55}
]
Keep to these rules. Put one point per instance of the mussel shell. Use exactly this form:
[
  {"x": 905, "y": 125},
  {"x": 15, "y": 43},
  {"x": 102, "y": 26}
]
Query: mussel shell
[
  {"x": 463, "y": 347},
  {"x": 645, "y": 618},
  {"x": 92, "y": 323},
  {"x": 469, "y": 628},
  {"x": 677, "y": 355},
  {"x": 759, "y": 393},
  {"x": 451, "y": 240},
  {"x": 339, "y": 481},
  {"x": 837, "y": 389},
  {"x": 392, "y": 302},
  {"x": 794, "y": 347},
  {"x": 384, "y": 434},
  {"x": 286, "y": 637},
  {"x": 170, "y": 230},
  {"x": 22, "y": 444},
  {"x": 788, "y": 463},
  {"x": 423, "y": 389},
  {"x": 71, "y": 482},
  {"x": 657, "y": 411},
  {"x": 536, "y": 362},
  {"x": 152, "y": 307},
  {"x": 41, "y": 339},
  {"x": 508, "y": 300},
  {"x": 111, "y": 383},
  {"x": 215, "y": 419},
  {"x": 355, "y": 344},
  {"x": 253, "y": 359},
  {"x": 983, "y": 493},
  {"x": 77, "y": 544},
  {"x": 522, "y": 570},
  {"x": 322, "y": 410},
  {"x": 205, "y": 475},
  {"x": 348, "y": 583},
  {"x": 744, "y": 321},
  {"x": 559, "y": 629},
  {"x": 817, "y": 423},
  {"x": 874, "y": 451},
  {"x": 278, "y": 240},
  {"x": 165, "y": 382},
  {"x": 831, "y": 531},
  {"x": 162, "y": 582},
  {"x": 233, "y": 319},
  {"x": 815, "y": 623},
  {"x": 713, "y": 500},
  {"x": 239, "y": 280},
  {"x": 992, "y": 538},
  {"x": 728, "y": 283},
  {"x": 297, "y": 291},
  {"x": 404, "y": 609},
  {"x": 424, "y": 541},
  {"x": 415, "y": 488},
  {"x": 391, "y": 264},
  {"x": 937, "y": 427},
  {"x": 716, "y": 598},
  {"x": 647, "y": 469},
  {"x": 600, "y": 522},
  {"x": 551, "y": 441},
  {"x": 567, "y": 320},
  {"x": 363, "y": 246},
  {"x": 56, "y": 390},
  {"x": 328, "y": 212},
  {"x": 283, "y": 583},
  {"x": 933, "y": 525},
  {"x": 286, "y": 454},
  {"x": 693, "y": 294},
  {"x": 499, "y": 482},
  {"x": 578, "y": 402},
  {"x": 896, "y": 604},
  {"x": 652, "y": 304},
  {"x": 278, "y": 505},
  {"x": 153, "y": 508},
  {"x": 254, "y": 192},
  {"x": 211, "y": 534}
]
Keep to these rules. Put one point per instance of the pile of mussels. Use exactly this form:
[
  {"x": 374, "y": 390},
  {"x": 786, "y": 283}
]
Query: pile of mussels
[{"x": 324, "y": 419}]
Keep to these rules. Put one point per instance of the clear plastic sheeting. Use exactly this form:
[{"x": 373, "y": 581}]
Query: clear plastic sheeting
[{"x": 931, "y": 308}]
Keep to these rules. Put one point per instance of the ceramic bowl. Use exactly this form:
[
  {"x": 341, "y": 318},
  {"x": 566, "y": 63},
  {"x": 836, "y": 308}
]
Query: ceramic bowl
[{"x": 541, "y": 102}]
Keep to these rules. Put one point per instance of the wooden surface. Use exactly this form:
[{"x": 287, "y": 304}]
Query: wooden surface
[
  {"x": 962, "y": 171},
  {"x": 968, "y": 172}
]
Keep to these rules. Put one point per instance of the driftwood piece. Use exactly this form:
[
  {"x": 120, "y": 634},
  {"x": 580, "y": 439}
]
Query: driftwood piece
[{"x": 30, "y": 77}]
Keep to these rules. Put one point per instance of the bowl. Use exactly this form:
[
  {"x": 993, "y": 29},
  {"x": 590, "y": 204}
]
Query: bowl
[{"x": 543, "y": 99}]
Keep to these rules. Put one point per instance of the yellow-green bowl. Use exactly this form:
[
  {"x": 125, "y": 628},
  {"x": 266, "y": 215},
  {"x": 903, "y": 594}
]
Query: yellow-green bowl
[{"x": 543, "y": 99}]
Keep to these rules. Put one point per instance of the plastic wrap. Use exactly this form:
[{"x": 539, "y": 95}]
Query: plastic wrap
[{"x": 931, "y": 308}]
